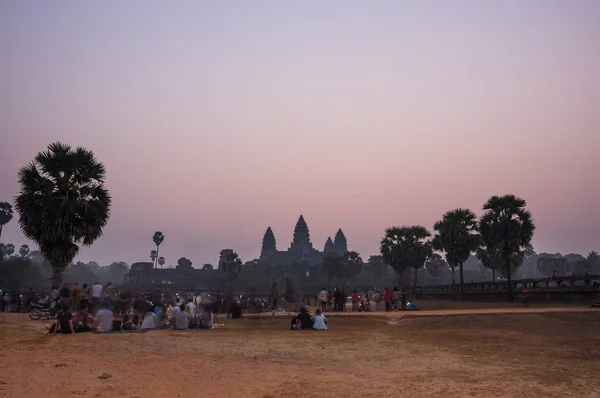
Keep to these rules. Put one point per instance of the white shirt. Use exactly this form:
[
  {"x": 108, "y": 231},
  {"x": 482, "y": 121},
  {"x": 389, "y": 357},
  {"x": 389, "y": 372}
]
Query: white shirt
[
  {"x": 149, "y": 321},
  {"x": 319, "y": 322},
  {"x": 323, "y": 295},
  {"x": 97, "y": 291},
  {"x": 105, "y": 320},
  {"x": 175, "y": 310},
  {"x": 191, "y": 309}
]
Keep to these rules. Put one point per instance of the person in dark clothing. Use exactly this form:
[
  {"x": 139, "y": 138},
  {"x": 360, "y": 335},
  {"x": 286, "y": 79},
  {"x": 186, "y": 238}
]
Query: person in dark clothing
[
  {"x": 235, "y": 311},
  {"x": 64, "y": 321},
  {"x": 303, "y": 321},
  {"x": 403, "y": 300}
]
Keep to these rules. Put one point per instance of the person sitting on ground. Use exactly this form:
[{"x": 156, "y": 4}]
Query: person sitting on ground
[
  {"x": 319, "y": 320},
  {"x": 182, "y": 319},
  {"x": 83, "y": 322},
  {"x": 104, "y": 319},
  {"x": 135, "y": 321},
  {"x": 127, "y": 324},
  {"x": 64, "y": 321},
  {"x": 149, "y": 321},
  {"x": 162, "y": 317},
  {"x": 206, "y": 319},
  {"x": 235, "y": 310},
  {"x": 302, "y": 321}
]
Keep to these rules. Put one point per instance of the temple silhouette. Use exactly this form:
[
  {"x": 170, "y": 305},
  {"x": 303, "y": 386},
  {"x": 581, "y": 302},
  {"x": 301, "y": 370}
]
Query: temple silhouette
[{"x": 301, "y": 249}]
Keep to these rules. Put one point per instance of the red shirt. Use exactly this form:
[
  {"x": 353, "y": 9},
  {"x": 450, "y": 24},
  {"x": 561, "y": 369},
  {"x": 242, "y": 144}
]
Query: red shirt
[
  {"x": 355, "y": 298},
  {"x": 387, "y": 297}
]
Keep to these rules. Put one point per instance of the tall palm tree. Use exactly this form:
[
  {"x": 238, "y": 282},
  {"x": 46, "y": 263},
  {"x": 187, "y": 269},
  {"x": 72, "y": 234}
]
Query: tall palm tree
[
  {"x": 456, "y": 235},
  {"x": 158, "y": 238},
  {"x": 161, "y": 261},
  {"x": 24, "y": 250},
  {"x": 507, "y": 228},
  {"x": 63, "y": 203},
  {"x": 6, "y": 214},
  {"x": 231, "y": 266},
  {"x": 153, "y": 256},
  {"x": 406, "y": 247}
]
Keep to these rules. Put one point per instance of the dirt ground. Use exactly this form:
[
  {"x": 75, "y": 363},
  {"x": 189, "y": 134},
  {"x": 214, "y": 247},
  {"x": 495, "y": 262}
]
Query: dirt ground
[{"x": 473, "y": 353}]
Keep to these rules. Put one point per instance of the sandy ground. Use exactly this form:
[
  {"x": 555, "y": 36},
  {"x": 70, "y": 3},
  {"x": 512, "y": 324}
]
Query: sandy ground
[{"x": 540, "y": 352}]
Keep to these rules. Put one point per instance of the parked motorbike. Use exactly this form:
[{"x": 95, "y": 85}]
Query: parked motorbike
[{"x": 42, "y": 309}]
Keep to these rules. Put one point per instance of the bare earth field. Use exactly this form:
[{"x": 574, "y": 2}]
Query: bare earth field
[{"x": 534, "y": 352}]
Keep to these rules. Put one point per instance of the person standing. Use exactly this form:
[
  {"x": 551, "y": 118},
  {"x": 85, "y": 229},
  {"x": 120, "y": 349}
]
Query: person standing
[
  {"x": 96, "y": 294},
  {"x": 323, "y": 300},
  {"x": 75, "y": 297},
  {"x": 387, "y": 298}
]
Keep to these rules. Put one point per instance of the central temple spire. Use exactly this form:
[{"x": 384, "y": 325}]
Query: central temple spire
[{"x": 301, "y": 235}]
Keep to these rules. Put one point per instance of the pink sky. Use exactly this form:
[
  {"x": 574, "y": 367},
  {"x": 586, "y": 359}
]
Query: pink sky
[{"x": 216, "y": 121}]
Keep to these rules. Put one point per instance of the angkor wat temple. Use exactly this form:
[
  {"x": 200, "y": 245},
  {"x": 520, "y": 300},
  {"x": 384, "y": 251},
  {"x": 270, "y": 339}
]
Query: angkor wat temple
[{"x": 301, "y": 249}]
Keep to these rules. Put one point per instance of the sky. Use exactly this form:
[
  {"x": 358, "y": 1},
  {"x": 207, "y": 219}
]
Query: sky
[{"x": 218, "y": 119}]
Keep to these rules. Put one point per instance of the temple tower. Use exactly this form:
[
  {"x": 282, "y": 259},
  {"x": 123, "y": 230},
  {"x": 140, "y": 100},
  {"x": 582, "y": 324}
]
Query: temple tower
[
  {"x": 341, "y": 245},
  {"x": 269, "y": 245},
  {"x": 329, "y": 246},
  {"x": 301, "y": 242}
]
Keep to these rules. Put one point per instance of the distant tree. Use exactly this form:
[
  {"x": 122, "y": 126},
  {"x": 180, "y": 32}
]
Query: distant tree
[
  {"x": 9, "y": 249},
  {"x": 184, "y": 263},
  {"x": 435, "y": 265},
  {"x": 6, "y": 214},
  {"x": 406, "y": 247},
  {"x": 232, "y": 267},
  {"x": 352, "y": 264},
  {"x": 62, "y": 187},
  {"x": 158, "y": 238},
  {"x": 507, "y": 227},
  {"x": 376, "y": 267},
  {"x": 24, "y": 250},
  {"x": 2, "y": 251},
  {"x": 153, "y": 256},
  {"x": 582, "y": 266},
  {"x": 208, "y": 267},
  {"x": 493, "y": 260},
  {"x": 547, "y": 264},
  {"x": 456, "y": 235},
  {"x": 161, "y": 261},
  {"x": 20, "y": 273},
  {"x": 392, "y": 251},
  {"x": 594, "y": 260},
  {"x": 574, "y": 257}
]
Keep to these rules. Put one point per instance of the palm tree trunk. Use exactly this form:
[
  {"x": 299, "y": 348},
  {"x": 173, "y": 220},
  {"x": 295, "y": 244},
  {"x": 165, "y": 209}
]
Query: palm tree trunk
[
  {"x": 462, "y": 281},
  {"x": 415, "y": 286},
  {"x": 508, "y": 279},
  {"x": 57, "y": 275},
  {"x": 493, "y": 275},
  {"x": 1, "y": 230},
  {"x": 453, "y": 283},
  {"x": 156, "y": 259}
]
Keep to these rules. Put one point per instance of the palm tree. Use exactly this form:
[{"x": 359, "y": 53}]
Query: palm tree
[
  {"x": 406, "y": 247},
  {"x": 231, "y": 266},
  {"x": 158, "y": 238},
  {"x": 63, "y": 203},
  {"x": 153, "y": 256},
  {"x": 24, "y": 250},
  {"x": 434, "y": 265},
  {"x": 506, "y": 228},
  {"x": 9, "y": 249},
  {"x": 456, "y": 235},
  {"x": 161, "y": 261},
  {"x": 6, "y": 214}
]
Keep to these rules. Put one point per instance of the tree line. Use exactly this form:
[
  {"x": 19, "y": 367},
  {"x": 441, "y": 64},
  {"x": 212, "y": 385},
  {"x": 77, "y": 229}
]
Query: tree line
[{"x": 63, "y": 204}]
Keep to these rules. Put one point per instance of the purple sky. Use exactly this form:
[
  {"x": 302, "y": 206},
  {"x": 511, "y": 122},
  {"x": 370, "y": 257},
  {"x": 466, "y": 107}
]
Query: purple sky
[{"x": 218, "y": 119}]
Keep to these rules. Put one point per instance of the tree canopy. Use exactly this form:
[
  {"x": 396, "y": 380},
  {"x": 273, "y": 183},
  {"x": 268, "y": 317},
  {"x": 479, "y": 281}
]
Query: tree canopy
[{"x": 63, "y": 203}]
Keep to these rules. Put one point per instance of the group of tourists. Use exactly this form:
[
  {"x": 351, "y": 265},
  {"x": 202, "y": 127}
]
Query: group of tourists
[{"x": 365, "y": 301}]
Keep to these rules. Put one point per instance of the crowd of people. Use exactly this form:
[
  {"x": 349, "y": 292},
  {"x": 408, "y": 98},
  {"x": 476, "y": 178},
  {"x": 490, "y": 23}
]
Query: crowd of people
[{"x": 365, "y": 301}]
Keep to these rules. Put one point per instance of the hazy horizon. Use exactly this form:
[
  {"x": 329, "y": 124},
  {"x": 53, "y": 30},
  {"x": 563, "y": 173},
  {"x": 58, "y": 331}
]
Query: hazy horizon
[{"x": 216, "y": 120}]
